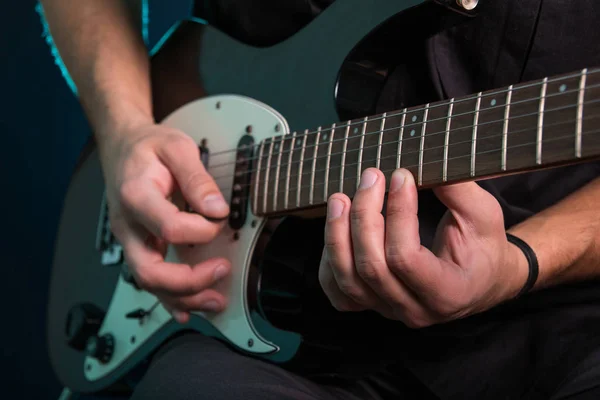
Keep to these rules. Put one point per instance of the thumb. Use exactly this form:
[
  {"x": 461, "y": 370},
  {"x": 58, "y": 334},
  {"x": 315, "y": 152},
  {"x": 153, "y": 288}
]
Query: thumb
[
  {"x": 472, "y": 206},
  {"x": 201, "y": 191}
]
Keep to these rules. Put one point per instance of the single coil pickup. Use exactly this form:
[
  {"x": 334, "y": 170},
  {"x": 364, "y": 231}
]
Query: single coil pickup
[{"x": 241, "y": 182}]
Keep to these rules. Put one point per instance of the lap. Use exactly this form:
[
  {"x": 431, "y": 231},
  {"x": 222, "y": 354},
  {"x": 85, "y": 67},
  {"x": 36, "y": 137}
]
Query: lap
[{"x": 198, "y": 367}]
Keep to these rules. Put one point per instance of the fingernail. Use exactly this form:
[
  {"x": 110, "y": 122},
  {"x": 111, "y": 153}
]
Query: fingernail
[
  {"x": 180, "y": 316},
  {"x": 367, "y": 179},
  {"x": 220, "y": 272},
  {"x": 335, "y": 208},
  {"x": 398, "y": 178},
  {"x": 211, "y": 305},
  {"x": 214, "y": 203}
]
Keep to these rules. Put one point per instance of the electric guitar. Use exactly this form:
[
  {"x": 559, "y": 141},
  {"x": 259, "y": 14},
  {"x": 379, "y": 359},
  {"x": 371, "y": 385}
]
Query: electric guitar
[{"x": 286, "y": 126}]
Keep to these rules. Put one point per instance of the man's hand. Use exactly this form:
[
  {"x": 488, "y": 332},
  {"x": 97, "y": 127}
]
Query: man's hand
[
  {"x": 142, "y": 170},
  {"x": 374, "y": 263},
  {"x": 143, "y": 163}
]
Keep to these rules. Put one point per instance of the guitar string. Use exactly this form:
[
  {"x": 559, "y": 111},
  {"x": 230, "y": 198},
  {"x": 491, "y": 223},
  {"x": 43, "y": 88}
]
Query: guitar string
[
  {"x": 417, "y": 152},
  {"x": 332, "y": 182},
  {"x": 443, "y": 103},
  {"x": 404, "y": 141},
  {"x": 406, "y": 128},
  {"x": 416, "y": 137}
]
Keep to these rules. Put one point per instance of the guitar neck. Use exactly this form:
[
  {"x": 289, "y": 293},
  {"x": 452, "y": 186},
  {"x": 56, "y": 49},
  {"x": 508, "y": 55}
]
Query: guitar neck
[{"x": 525, "y": 127}]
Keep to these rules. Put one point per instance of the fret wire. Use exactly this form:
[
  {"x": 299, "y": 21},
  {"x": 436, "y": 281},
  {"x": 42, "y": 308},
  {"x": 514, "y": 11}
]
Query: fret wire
[
  {"x": 580, "y": 113},
  {"x": 574, "y": 105},
  {"x": 447, "y": 141},
  {"x": 470, "y": 140},
  {"x": 474, "y": 140},
  {"x": 360, "y": 151},
  {"x": 301, "y": 167},
  {"x": 325, "y": 195},
  {"x": 277, "y": 172},
  {"x": 554, "y": 139},
  {"x": 399, "y": 156},
  {"x": 505, "y": 126},
  {"x": 289, "y": 170},
  {"x": 267, "y": 177},
  {"x": 314, "y": 166},
  {"x": 538, "y": 150},
  {"x": 257, "y": 183},
  {"x": 381, "y": 130},
  {"x": 344, "y": 157},
  {"x": 422, "y": 145},
  {"x": 462, "y": 114}
]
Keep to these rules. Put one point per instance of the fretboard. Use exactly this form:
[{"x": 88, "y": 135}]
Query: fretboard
[{"x": 529, "y": 126}]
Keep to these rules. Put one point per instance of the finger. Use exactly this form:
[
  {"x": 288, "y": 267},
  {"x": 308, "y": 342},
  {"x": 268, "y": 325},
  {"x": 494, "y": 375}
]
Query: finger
[
  {"x": 473, "y": 208},
  {"x": 412, "y": 263},
  {"x": 367, "y": 226},
  {"x": 155, "y": 275},
  {"x": 180, "y": 316},
  {"x": 208, "y": 301},
  {"x": 338, "y": 300},
  {"x": 182, "y": 158},
  {"x": 368, "y": 241},
  {"x": 338, "y": 245},
  {"x": 162, "y": 218}
]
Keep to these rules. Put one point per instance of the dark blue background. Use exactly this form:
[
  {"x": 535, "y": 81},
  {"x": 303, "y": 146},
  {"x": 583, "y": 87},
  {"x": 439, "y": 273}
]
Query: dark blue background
[{"x": 42, "y": 129}]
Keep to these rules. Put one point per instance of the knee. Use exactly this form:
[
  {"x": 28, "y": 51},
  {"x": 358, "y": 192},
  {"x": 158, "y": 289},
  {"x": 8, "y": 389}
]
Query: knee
[{"x": 196, "y": 367}]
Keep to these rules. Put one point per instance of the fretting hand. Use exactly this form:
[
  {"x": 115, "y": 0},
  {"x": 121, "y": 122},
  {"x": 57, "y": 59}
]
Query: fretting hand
[{"x": 374, "y": 263}]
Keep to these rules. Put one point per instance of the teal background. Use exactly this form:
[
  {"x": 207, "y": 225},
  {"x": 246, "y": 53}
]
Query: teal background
[{"x": 42, "y": 129}]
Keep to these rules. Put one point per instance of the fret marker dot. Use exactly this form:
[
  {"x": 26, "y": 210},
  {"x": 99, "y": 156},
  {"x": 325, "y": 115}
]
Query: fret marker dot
[
  {"x": 562, "y": 88},
  {"x": 414, "y": 118},
  {"x": 325, "y": 136},
  {"x": 299, "y": 142},
  {"x": 277, "y": 146},
  {"x": 355, "y": 130},
  {"x": 493, "y": 102},
  {"x": 412, "y": 133}
]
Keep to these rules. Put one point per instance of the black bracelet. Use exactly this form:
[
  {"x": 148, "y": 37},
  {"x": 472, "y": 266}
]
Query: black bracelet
[{"x": 531, "y": 259}]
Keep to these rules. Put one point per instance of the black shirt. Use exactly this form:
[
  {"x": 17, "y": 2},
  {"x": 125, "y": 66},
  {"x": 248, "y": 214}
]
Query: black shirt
[{"x": 531, "y": 345}]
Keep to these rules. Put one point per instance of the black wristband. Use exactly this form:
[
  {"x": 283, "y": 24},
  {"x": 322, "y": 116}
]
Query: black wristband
[{"x": 531, "y": 259}]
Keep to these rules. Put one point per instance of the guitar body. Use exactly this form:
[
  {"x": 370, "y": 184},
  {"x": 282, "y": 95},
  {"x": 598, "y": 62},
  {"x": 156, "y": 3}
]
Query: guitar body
[{"x": 215, "y": 88}]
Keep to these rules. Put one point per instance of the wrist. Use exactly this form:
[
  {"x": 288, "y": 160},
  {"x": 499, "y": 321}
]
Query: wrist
[
  {"x": 120, "y": 125},
  {"x": 120, "y": 116}
]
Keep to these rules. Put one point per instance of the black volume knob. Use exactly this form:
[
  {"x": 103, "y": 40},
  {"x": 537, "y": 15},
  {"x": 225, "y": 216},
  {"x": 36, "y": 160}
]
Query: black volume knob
[
  {"x": 101, "y": 347},
  {"x": 83, "y": 321}
]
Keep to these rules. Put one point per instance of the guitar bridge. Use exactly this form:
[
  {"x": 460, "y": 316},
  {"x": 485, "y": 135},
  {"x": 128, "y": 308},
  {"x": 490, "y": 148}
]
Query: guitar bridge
[{"x": 111, "y": 251}]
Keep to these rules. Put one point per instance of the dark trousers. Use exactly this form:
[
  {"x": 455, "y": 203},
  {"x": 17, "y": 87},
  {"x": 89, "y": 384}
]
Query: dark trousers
[{"x": 197, "y": 367}]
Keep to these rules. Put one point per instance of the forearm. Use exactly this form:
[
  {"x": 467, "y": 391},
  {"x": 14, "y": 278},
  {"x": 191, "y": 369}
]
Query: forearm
[
  {"x": 101, "y": 44},
  {"x": 566, "y": 237}
]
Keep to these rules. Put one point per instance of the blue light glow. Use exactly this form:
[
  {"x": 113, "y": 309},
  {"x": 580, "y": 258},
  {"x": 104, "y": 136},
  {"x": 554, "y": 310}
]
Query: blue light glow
[{"x": 54, "y": 51}]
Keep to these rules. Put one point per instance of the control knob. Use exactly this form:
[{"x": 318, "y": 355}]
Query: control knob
[
  {"x": 101, "y": 347},
  {"x": 83, "y": 321}
]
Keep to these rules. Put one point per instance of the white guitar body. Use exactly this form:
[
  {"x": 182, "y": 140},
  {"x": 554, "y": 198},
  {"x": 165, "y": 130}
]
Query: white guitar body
[{"x": 222, "y": 120}]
